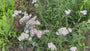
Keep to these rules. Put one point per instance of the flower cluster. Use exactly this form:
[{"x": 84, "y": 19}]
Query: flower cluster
[
  {"x": 84, "y": 12},
  {"x": 67, "y": 12},
  {"x": 32, "y": 22},
  {"x": 63, "y": 31},
  {"x": 73, "y": 48},
  {"x": 34, "y": 1},
  {"x": 52, "y": 46},
  {"x": 39, "y": 33},
  {"x": 36, "y": 5},
  {"x": 23, "y": 36},
  {"x": 26, "y": 17},
  {"x": 16, "y": 13}
]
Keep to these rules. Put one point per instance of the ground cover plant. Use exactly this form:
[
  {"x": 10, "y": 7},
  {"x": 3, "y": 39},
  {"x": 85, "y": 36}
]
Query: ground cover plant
[
  {"x": 5, "y": 5},
  {"x": 65, "y": 15},
  {"x": 8, "y": 32},
  {"x": 48, "y": 25}
]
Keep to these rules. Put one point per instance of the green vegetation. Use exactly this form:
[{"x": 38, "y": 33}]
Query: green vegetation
[
  {"x": 5, "y": 5},
  {"x": 53, "y": 15}
]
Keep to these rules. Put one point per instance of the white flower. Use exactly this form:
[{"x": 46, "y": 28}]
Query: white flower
[
  {"x": 73, "y": 48},
  {"x": 67, "y": 12},
  {"x": 34, "y": 1},
  {"x": 30, "y": 39},
  {"x": 25, "y": 14},
  {"x": 33, "y": 32},
  {"x": 69, "y": 29},
  {"x": 33, "y": 22},
  {"x": 23, "y": 36},
  {"x": 27, "y": 31},
  {"x": 52, "y": 46},
  {"x": 63, "y": 31},
  {"x": 37, "y": 22},
  {"x": 36, "y": 5},
  {"x": 19, "y": 11},
  {"x": 84, "y": 12},
  {"x": 46, "y": 31},
  {"x": 24, "y": 19},
  {"x": 16, "y": 12},
  {"x": 20, "y": 38},
  {"x": 57, "y": 33},
  {"x": 13, "y": 15},
  {"x": 30, "y": 15},
  {"x": 39, "y": 34}
]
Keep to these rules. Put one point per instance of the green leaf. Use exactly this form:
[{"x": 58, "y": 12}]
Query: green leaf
[
  {"x": 4, "y": 17},
  {"x": 86, "y": 46},
  {"x": 80, "y": 44}
]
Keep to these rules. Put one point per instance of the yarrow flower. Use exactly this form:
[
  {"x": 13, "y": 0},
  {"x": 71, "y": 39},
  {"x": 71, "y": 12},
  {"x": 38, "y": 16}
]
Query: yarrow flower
[
  {"x": 39, "y": 33},
  {"x": 69, "y": 29},
  {"x": 84, "y": 12},
  {"x": 23, "y": 36},
  {"x": 30, "y": 39},
  {"x": 34, "y": 1},
  {"x": 32, "y": 22},
  {"x": 67, "y": 12},
  {"x": 26, "y": 17},
  {"x": 27, "y": 31},
  {"x": 63, "y": 31},
  {"x": 16, "y": 13},
  {"x": 73, "y": 48},
  {"x": 36, "y": 5},
  {"x": 32, "y": 31},
  {"x": 52, "y": 46}
]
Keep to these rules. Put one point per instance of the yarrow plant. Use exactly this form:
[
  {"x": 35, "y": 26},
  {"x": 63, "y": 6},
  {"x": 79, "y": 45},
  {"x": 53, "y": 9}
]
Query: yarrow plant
[
  {"x": 30, "y": 25},
  {"x": 56, "y": 18}
]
